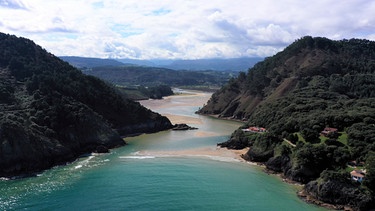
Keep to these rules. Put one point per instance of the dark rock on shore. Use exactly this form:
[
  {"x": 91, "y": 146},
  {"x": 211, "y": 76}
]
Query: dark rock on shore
[
  {"x": 101, "y": 149},
  {"x": 279, "y": 163},
  {"x": 256, "y": 156},
  {"x": 340, "y": 194},
  {"x": 236, "y": 141},
  {"x": 183, "y": 127}
]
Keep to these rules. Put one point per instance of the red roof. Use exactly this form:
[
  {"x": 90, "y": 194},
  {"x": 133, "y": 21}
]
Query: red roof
[
  {"x": 330, "y": 129},
  {"x": 357, "y": 173}
]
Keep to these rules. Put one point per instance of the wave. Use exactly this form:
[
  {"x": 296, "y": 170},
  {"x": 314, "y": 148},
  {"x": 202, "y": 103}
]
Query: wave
[
  {"x": 222, "y": 159},
  {"x": 84, "y": 162},
  {"x": 137, "y": 157}
]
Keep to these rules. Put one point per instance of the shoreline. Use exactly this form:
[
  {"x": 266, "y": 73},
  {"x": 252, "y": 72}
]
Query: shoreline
[
  {"x": 306, "y": 197},
  {"x": 301, "y": 193},
  {"x": 222, "y": 152}
]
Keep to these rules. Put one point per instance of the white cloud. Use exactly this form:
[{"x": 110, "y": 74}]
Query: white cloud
[
  {"x": 182, "y": 28},
  {"x": 13, "y": 4}
]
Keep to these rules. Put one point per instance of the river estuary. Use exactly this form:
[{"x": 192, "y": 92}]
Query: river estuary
[{"x": 169, "y": 170}]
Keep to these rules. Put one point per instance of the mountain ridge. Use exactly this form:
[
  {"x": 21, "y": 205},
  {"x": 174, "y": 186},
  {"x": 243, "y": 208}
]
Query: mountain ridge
[{"x": 230, "y": 64}]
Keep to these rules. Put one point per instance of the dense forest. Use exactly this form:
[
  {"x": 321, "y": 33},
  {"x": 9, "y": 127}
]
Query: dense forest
[
  {"x": 154, "y": 76},
  {"x": 144, "y": 93},
  {"x": 313, "y": 84},
  {"x": 51, "y": 113}
]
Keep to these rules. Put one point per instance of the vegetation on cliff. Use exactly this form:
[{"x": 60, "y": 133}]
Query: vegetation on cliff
[
  {"x": 144, "y": 93},
  {"x": 314, "y": 83},
  {"x": 51, "y": 113}
]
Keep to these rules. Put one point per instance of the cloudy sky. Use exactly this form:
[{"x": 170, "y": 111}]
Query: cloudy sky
[{"x": 182, "y": 29}]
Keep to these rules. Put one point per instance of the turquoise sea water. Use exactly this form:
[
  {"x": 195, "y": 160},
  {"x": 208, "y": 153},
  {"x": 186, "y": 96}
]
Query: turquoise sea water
[{"x": 126, "y": 179}]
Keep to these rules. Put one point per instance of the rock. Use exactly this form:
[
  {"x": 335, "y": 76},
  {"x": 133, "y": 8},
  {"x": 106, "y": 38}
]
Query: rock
[
  {"x": 238, "y": 140},
  {"x": 257, "y": 156},
  {"x": 340, "y": 194},
  {"x": 278, "y": 164},
  {"x": 101, "y": 149},
  {"x": 183, "y": 127}
]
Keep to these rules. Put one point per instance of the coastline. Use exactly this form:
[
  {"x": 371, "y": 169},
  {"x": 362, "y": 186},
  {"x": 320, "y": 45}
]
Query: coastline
[
  {"x": 224, "y": 154},
  {"x": 306, "y": 197}
]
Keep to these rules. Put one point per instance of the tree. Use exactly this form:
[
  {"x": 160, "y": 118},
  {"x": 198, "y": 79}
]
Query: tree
[
  {"x": 370, "y": 168},
  {"x": 310, "y": 135}
]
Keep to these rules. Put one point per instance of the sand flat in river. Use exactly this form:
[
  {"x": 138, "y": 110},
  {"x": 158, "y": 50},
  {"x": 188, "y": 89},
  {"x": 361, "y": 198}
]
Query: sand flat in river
[{"x": 211, "y": 152}]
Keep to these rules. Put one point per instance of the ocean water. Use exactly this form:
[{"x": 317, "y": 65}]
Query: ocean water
[{"x": 150, "y": 174}]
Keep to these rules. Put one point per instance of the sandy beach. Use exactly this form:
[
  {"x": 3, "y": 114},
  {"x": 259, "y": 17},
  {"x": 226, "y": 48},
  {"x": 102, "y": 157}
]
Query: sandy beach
[{"x": 216, "y": 153}]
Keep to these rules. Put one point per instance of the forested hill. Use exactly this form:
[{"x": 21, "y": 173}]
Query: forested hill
[
  {"x": 338, "y": 68},
  {"x": 312, "y": 84},
  {"x": 51, "y": 113},
  {"x": 154, "y": 76}
]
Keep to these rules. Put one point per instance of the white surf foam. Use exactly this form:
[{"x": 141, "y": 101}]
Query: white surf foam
[{"x": 137, "y": 157}]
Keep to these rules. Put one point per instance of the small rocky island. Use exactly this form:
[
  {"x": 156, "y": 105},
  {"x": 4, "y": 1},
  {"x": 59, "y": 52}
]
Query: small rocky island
[{"x": 183, "y": 126}]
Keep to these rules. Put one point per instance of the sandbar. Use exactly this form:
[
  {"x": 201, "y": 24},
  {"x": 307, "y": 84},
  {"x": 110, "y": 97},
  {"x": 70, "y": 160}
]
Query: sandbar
[
  {"x": 179, "y": 119},
  {"x": 216, "y": 153}
]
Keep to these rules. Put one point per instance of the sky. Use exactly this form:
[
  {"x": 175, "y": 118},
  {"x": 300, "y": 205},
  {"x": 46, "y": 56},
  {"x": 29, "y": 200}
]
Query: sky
[{"x": 182, "y": 29}]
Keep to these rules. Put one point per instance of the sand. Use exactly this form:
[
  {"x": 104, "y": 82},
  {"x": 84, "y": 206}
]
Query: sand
[
  {"x": 216, "y": 153},
  {"x": 179, "y": 119},
  {"x": 190, "y": 98},
  {"x": 185, "y": 99},
  {"x": 200, "y": 98}
]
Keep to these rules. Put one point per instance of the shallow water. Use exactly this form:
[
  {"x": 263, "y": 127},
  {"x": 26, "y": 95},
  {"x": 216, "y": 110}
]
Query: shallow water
[{"x": 161, "y": 171}]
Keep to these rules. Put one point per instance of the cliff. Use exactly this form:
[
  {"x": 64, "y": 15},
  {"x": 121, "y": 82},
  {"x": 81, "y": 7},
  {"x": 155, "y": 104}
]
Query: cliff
[
  {"x": 312, "y": 84},
  {"x": 51, "y": 113}
]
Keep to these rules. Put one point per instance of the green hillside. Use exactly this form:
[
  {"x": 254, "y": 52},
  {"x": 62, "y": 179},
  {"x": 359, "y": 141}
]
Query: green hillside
[
  {"x": 314, "y": 83},
  {"x": 51, "y": 113}
]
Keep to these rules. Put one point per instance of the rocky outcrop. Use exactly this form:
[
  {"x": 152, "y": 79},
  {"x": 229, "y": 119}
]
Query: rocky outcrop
[
  {"x": 340, "y": 193},
  {"x": 236, "y": 141},
  {"x": 148, "y": 126},
  {"x": 183, "y": 127},
  {"x": 279, "y": 164},
  {"x": 258, "y": 156}
]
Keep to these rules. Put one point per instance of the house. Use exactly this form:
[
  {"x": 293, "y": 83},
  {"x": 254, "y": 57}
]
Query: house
[
  {"x": 354, "y": 163},
  {"x": 255, "y": 129},
  {"x": 358, "y": 175},
  {"x": 328, "y": 131}
]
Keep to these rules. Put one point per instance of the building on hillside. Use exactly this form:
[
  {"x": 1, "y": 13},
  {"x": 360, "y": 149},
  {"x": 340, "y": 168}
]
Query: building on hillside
[
  {"x": 354, "y": 163},
  {"x": 255, "y": 129},
  {"x": 329, "y": 131},
  {"x": 358, "y": 175}
]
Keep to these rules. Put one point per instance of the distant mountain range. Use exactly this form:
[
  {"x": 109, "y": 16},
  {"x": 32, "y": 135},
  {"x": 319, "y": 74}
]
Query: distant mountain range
[{"x": 234, "y": 64}]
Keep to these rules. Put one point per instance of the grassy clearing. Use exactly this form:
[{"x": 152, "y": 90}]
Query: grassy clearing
[
  {"x": 322, "y": 139},
  {"x": 343, "y": 138},
  {"x": 300, "y": 137}
]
